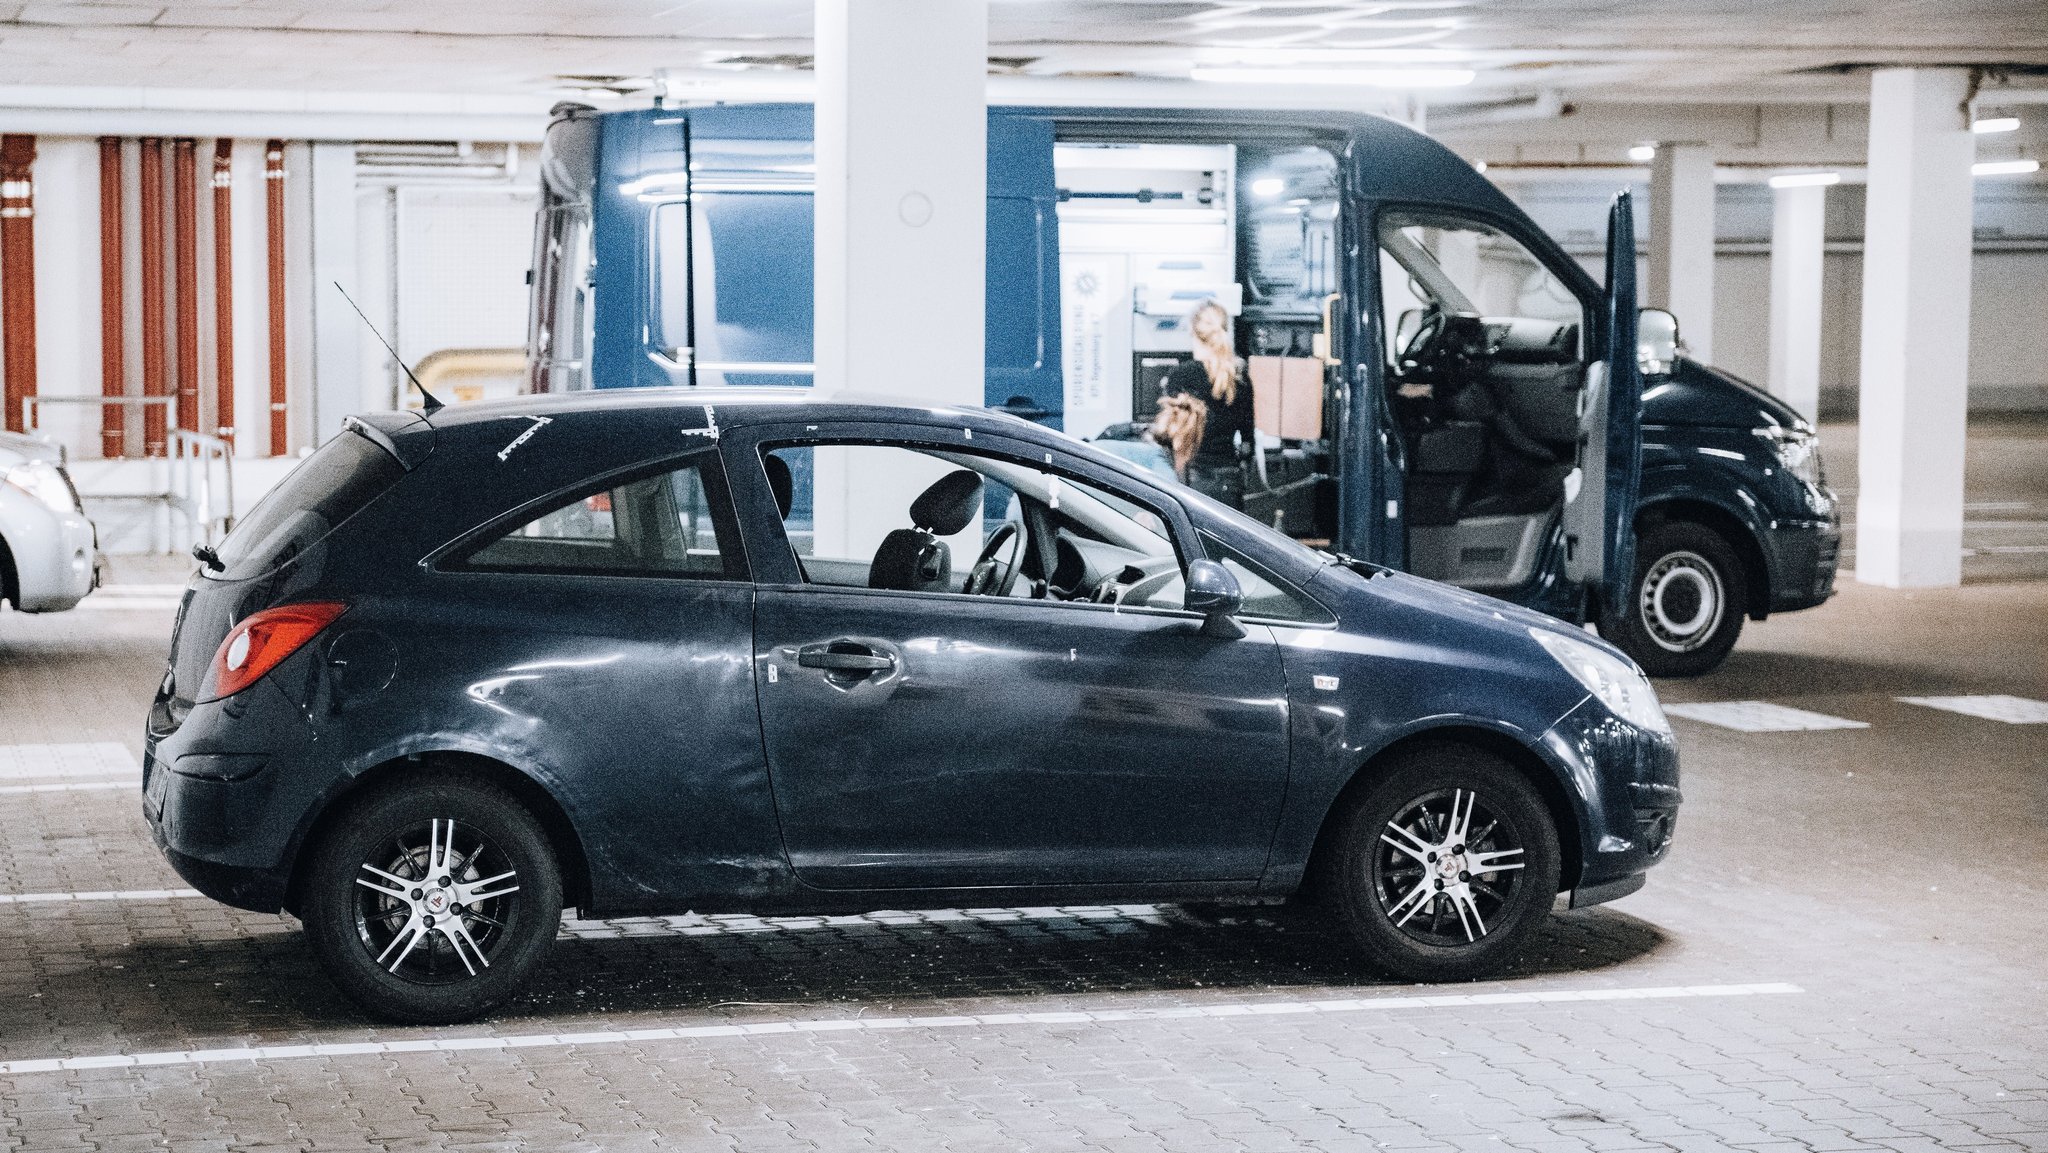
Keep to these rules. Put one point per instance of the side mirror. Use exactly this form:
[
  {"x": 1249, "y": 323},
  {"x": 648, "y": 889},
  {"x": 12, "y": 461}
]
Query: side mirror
[
  {"x": 1657, "y": 343},
  {"x": 1214, "y": 593}
]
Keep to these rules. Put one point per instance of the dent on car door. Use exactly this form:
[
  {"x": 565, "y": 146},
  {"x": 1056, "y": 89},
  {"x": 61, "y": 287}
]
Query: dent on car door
[{"x": 923, "y": 738}]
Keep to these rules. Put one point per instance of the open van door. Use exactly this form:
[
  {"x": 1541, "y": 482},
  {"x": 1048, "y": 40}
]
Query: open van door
[{"x": 1600, "y": 496}]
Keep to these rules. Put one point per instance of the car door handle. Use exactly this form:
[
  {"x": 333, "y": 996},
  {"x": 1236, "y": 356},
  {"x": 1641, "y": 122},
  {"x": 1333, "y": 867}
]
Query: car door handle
[{"x": 837, "y": 659}]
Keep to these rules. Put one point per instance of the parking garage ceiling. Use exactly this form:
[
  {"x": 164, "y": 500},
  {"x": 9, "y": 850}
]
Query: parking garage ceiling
[{"x": 1611, "y": 50}]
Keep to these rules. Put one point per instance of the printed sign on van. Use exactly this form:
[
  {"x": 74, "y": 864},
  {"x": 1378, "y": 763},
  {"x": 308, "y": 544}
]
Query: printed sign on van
[{"x": 1094, "y": 296}]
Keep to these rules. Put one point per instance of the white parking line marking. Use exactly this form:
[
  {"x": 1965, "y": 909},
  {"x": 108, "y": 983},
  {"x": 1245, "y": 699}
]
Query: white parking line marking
[
  {"x": 2011, "y": 710},
  {"x": 67, "y": 761},
  {"x": 1761, "y": 717},
  {"x": 880, "y": 1024},
  {"x": 1995, "y": 505},
  {"x": 71, "y": 787},
  {"x": 102, "y": 895}
]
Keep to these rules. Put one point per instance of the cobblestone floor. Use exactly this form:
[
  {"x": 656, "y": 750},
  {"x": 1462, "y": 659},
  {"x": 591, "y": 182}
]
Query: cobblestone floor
[{"x": 1895, "y": 875}]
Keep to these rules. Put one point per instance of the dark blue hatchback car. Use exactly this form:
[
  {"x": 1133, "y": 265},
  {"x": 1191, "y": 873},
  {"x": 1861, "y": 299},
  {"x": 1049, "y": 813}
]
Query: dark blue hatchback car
[{"x": 683, "y": 649}]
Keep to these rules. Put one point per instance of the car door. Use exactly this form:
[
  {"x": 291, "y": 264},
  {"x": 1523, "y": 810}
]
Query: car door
[
  {"x": 930, "y": 739},
  {"x": 1600, "y": 508}
]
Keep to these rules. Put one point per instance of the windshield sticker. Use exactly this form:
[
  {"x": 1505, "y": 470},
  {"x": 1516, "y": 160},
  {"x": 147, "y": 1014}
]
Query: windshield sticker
[
  {"x": 710, "y": 429},
  {"x": 506, "y": 452}
]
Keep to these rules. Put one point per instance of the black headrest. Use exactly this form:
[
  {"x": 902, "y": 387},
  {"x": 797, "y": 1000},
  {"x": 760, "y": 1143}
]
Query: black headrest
[
  {"x": 780, "y": 483},
  {"x": 949, "y": 505}
]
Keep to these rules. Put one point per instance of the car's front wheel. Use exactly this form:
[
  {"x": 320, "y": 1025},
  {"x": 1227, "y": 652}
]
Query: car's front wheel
[
  {"x": 1687, "y": 604},
  {"x": 1443, "y": 867},
  {"x": 431, "y": 902}
]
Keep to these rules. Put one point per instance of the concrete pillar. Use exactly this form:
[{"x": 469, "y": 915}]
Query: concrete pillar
[
  {"x": 1916, "y": 330},
  {"x": 902, "y": 210},
  {"x": 1798, "y": 238},
  {"x": 1682, "y": 242},
  {"x": 902, "y": 139},
  {"x": 68, "y": 287},
  {"x": 337, "y": 331}
]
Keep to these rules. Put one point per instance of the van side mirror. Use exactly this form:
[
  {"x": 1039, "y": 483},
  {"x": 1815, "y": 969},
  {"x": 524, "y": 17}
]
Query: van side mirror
[
  {"x": 1215, "y": 594},
  {"x": 1657, "y": 343}
]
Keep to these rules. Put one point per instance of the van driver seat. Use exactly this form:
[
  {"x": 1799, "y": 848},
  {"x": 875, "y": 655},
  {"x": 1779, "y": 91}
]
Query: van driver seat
[{"x": 915, "y": 559}]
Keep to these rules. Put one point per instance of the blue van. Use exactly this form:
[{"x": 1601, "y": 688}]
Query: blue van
[{"x": 1440, "y": 388}]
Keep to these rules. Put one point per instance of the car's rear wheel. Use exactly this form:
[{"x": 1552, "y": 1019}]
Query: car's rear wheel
[
  {"x": 1442, "y": 868},
  {"x": 1687, "y": 604},
  {"x": 431, "y": 902}
]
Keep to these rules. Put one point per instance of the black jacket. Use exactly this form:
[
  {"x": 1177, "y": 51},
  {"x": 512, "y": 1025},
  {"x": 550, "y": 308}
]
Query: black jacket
[{"x": 1226, "y": 422}]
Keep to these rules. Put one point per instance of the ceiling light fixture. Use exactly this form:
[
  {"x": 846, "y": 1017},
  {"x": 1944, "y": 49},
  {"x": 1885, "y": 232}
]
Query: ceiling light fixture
[
  {"x": 1806, "y": 179},
  {"x": 1367, "y": 77},
  {"x": 1995, "y": 124},
  {"x": 1268, "y": 186},
  {"x": 2005, "y": 168},
  {"x": 1643, "y": 153}
]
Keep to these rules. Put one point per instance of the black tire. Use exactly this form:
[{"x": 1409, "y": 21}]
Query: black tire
[
  {"x": 1686, "y": 604},
  {"x": 1419, "y": 926},
  {"x": 355, "y": 915}
]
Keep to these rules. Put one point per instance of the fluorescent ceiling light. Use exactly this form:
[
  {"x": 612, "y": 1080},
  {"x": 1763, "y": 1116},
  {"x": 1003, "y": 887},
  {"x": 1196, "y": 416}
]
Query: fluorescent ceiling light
[
  {"x": 1806, "y": 179},
  {"x": 1369, "y": 77},
  {"x": 2005, "y": 168},
  {"x": 1995, "y": 124},
  {"x": 1643, "y": 152},
  {"x": 1280, "y": 57},
  {"x": 1268, "y": 186}
]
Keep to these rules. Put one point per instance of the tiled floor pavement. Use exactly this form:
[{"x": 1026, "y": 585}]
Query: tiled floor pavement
[{"x": 1897, "y": 874}]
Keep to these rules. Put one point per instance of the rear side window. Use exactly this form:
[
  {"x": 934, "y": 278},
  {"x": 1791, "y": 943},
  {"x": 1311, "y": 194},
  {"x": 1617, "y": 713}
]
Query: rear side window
[
  {"x": 671, "y": 524},
  {"x": 326, "y": 489}
]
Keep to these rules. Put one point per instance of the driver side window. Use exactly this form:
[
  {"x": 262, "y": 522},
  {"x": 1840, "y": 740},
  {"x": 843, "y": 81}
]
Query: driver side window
[{"x": 913, "y": 518}]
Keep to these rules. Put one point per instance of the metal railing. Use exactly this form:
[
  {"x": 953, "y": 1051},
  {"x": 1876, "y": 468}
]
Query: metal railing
[{"x": 199, "y": 473}]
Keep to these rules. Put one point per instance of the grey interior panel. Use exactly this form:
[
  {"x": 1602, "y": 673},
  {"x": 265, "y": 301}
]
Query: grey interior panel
[{"x": 1484, "y": 552}]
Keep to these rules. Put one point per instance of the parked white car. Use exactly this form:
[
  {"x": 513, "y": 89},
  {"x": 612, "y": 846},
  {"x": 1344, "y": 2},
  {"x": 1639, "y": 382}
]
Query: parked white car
[{"x": 48, "y": 549}]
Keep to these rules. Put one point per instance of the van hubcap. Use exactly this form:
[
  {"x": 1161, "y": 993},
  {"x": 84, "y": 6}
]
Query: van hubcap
[
  {"x": 1682, "y": 602},
  {"x": 1447, "y": 864},
  {"x": 433, "y": 907}
]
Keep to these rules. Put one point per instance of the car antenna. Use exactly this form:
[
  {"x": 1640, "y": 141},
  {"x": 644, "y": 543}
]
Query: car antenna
[{"x": 433, "y": 403}]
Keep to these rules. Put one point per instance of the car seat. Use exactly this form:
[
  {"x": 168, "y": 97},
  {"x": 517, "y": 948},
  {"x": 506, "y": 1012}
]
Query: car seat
[{"x": 915, "y": 559}]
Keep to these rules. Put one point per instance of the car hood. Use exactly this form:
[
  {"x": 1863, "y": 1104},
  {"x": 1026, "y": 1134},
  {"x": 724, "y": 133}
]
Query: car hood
[
  {"x": 1699, "y": 394},
  {"x": 16, "y": 447}
]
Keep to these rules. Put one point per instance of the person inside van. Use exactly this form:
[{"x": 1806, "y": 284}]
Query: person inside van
[{"x": 1216, "y": 378}]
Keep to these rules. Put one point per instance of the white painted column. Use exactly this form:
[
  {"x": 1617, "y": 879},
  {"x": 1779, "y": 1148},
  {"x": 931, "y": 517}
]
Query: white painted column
[
  {"x": 1682, "y": 242},
  {"x": 337, "y": 330},
  {"x": 67, "y": 244},
  {"x": 1914, "y": 390},
  {"x": 1798, "y": 247},
  {"x": 902, "y": 210},
  {"x": 902, "y": 204},
  {"x": 251, "y": 269}
]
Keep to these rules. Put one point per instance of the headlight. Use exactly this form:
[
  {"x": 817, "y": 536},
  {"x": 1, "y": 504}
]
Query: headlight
[
  {"x": 1797, "y": 449},
  {"x": 1625, "y": 691},
  {"x": 45, "y": 482}
]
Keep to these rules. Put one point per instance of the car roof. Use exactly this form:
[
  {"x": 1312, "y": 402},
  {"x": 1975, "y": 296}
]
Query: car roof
[{"x": 736, "y": 406}]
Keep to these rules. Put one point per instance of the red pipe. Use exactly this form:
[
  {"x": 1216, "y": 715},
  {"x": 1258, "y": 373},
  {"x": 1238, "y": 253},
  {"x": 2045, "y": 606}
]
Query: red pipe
[
  {"x": 113, "y": 318},
  {"x": 18, "y": 275},
  {"x": 273, "y": 183},
  {"x": 185, "y": 235},
  {"x": 223, "y": 291},
  {"x": 155, "y": 378}
]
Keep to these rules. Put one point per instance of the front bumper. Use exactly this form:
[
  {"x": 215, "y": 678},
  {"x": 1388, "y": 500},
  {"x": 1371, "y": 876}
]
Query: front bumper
[
  {"x": 1627, "y": 779},
  {"x": 55, "y": 557},
  {"x": 1802, "y": 562}
]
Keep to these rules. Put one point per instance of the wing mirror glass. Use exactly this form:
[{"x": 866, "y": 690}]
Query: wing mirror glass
[
  {"x": 1657, "y": 343},
  {"x": 1214, "y": 593}
]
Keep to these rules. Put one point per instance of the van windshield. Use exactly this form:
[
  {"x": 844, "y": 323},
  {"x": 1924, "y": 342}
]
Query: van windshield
[{"x": 327, "y": 488}]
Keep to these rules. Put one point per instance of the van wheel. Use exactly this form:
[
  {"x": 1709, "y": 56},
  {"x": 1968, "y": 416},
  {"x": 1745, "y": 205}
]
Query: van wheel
[
  {"x": 432, "y": 902},
  {"x": 1687, "y": 604},
  {"x": 1442, "y": 869}
]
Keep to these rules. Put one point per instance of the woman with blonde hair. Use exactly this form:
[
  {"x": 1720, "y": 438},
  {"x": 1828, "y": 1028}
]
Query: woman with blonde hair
[{"x": 1214, "y": 379}]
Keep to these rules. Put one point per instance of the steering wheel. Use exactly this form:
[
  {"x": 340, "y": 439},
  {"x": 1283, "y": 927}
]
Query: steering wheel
[
  {"x": 1419, "y": 355},
  {"x": 992, "y": 577}
]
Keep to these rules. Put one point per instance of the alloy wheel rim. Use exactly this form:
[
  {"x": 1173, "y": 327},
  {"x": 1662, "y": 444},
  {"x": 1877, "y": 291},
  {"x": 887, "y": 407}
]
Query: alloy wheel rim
[
  {"x": 434, "y": 903},
  {"x": 1446, "y": 866},
  {"x": 1681, "y": 602}
]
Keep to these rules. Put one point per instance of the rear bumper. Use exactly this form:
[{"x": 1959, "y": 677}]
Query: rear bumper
[{"x": 1802, "y": 562}]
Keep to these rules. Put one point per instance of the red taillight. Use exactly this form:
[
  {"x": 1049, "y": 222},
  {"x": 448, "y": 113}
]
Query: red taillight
[{"x": 255, "y": 646}]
